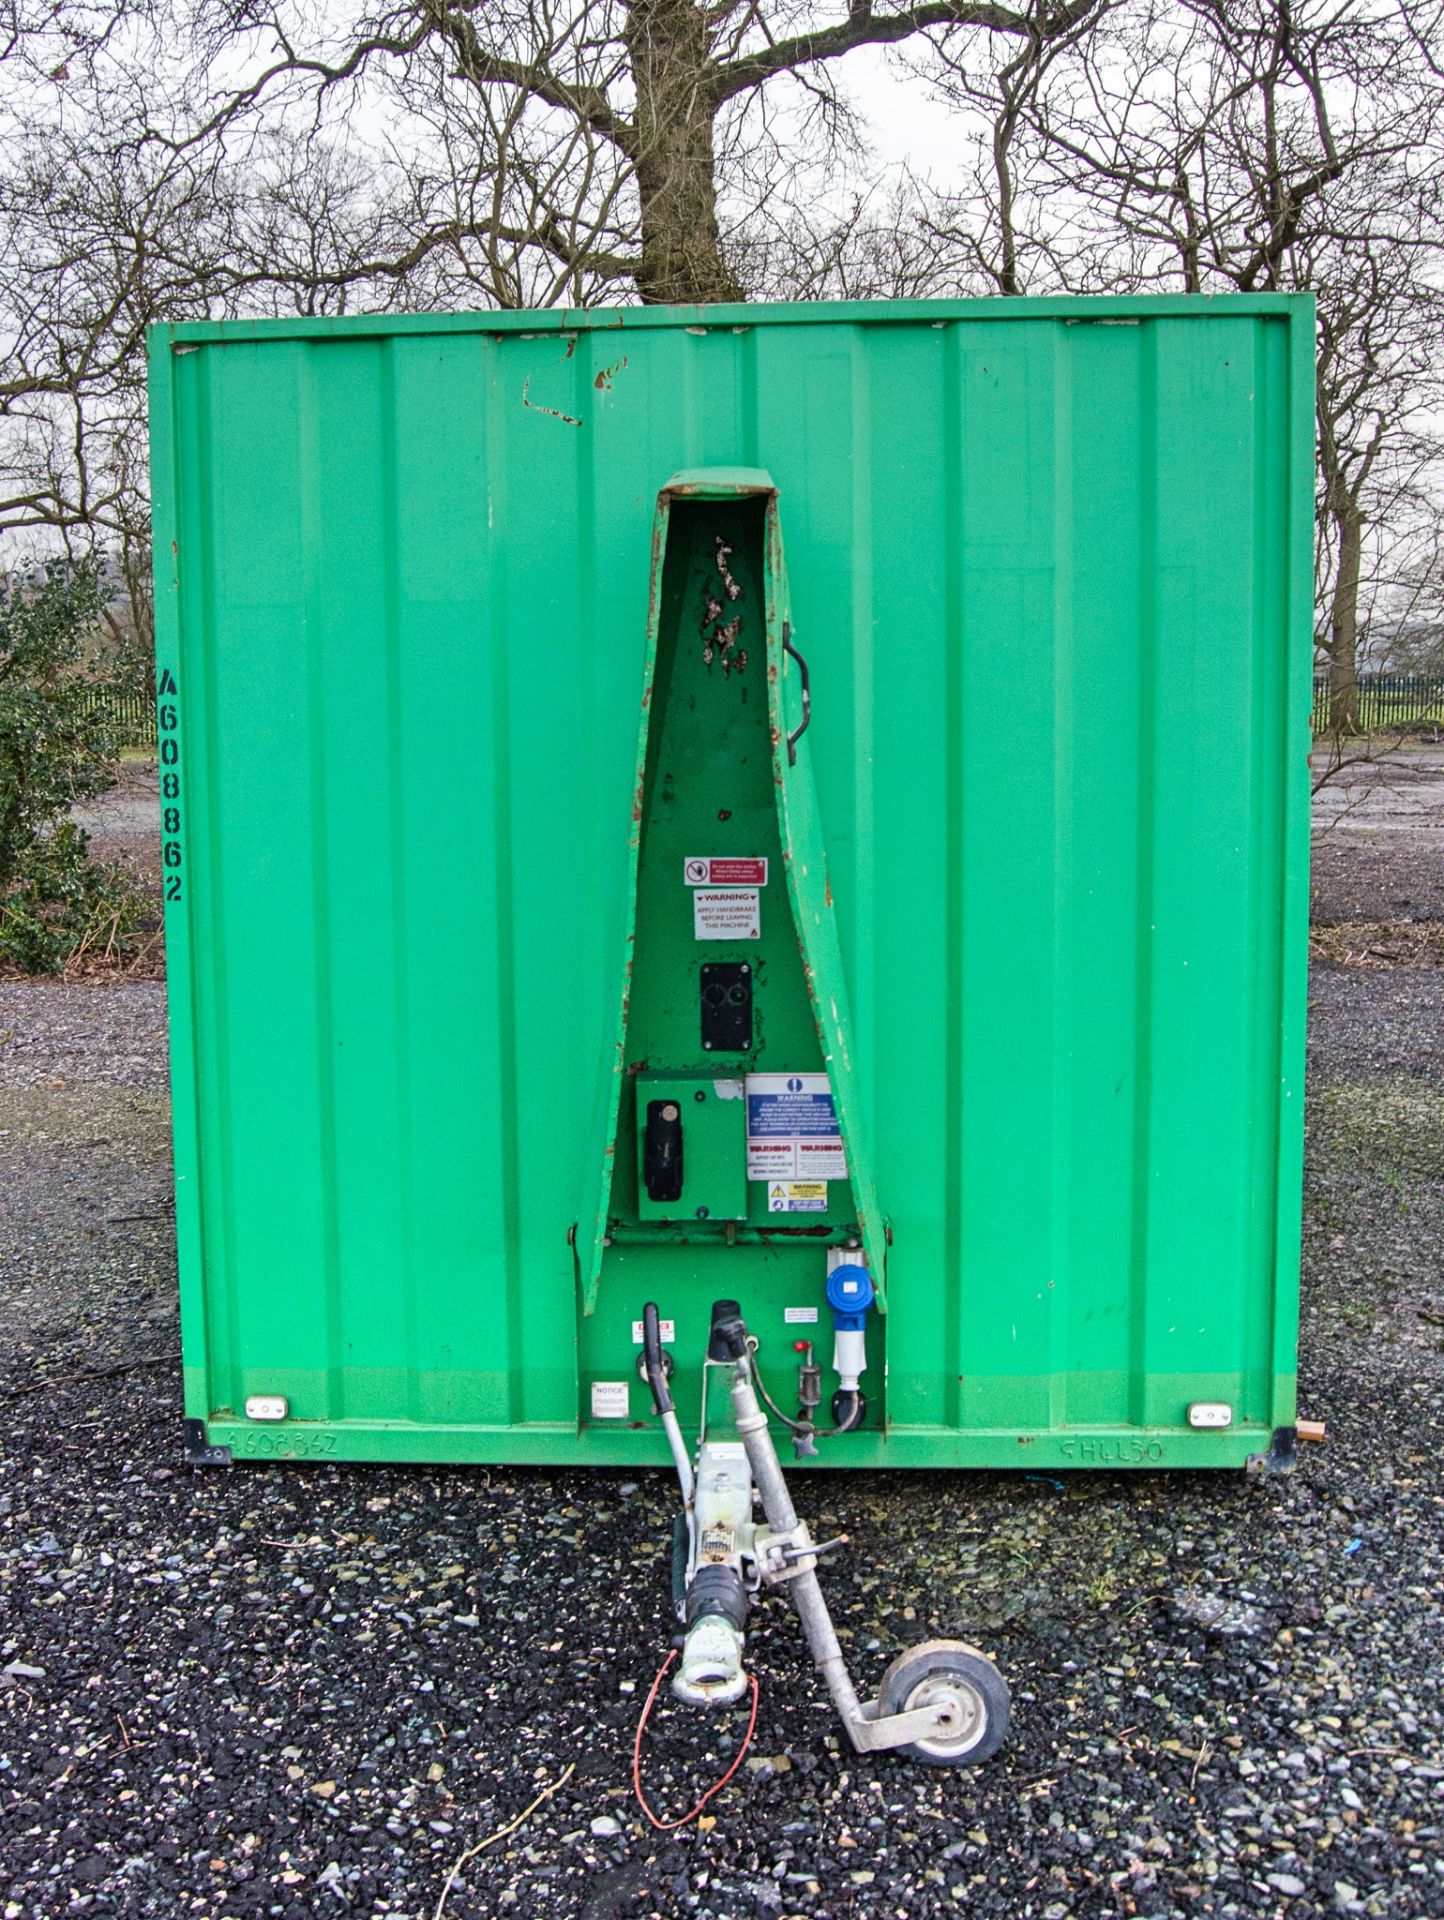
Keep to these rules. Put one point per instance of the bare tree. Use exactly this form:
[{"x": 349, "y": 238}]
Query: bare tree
[
  {"x": 877, "y": 247},
  {"x": 1002, "y": 83},
  {"x": 169, "y": 159},
  {"x": 586, "y": 142},
  {"x": 1412, "y": 608},
  {"x": 95, "y": 246},
  {"x": 176, "y": 158},
  {"x": 81, "y": 284},
  {"x": 1286, "y": 145},
  {"x": 1381, "y": 321}
]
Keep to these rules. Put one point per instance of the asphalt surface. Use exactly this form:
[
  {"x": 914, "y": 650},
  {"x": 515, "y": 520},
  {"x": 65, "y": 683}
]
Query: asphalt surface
[{"x": 308, "y": 1690}]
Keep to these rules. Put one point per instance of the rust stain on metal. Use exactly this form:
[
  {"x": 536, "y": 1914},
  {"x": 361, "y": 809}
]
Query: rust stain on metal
[
  {"x": 536, "y": 406},
  {"x": 603, "y": 381}
]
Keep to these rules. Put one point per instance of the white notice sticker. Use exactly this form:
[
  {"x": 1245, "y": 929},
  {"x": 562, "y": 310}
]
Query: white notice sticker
[
  {"x": 797, "y": 1196},
  {"x": 668, "y": 1330},
  {"x": 609, "y": 1400},
  {"x": 800, "y": 1316},
  {"x": 726, "y": 913},
  {"x": 792, "y": 1129}
]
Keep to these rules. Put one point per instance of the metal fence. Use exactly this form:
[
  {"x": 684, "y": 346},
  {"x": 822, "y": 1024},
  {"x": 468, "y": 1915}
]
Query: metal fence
[
  {"x": 131, "y": 714},
  {"x": 1387, "y": 700}
]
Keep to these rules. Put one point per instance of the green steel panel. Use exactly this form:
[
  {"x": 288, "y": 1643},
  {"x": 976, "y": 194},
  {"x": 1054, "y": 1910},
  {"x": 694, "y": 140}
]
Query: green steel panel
[
  {"x": 1049, "y": 563},
  {"x": 714, "y": 1183}
]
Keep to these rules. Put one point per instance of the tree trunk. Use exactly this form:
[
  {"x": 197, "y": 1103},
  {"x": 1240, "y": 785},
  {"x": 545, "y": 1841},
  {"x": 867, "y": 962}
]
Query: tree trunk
[
  {"x": 1003, "y": 129},
  {"x": 1344, "y": 619},
  {"x": 674, "y": 160}
]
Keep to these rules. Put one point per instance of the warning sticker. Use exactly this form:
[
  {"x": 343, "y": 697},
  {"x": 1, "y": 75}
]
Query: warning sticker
[
  {"x": 792, "y": 1130},
  {"x": 800, "y": 1316},
  {"x": 609, "y": 1399},
  {"x": 726, "y": 913},
  {"x": 667, "y": 1328},
  {"x": 766, "y": 1158},
  {"x": 797, "y": 1196},
  {"x": 716, "y": 870}
]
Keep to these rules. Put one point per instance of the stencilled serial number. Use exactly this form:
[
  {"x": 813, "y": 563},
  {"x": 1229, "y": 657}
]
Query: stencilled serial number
[
  {"x": 1122, "y": 1450},
  {"x": 255, "y": 1444},
  {"x": 167, "y": 724}
]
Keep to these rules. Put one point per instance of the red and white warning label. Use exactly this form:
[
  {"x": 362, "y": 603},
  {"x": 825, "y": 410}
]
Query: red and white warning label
[
  {"x": 715, "y": 870},
  {"x": 726, "y": 913}
]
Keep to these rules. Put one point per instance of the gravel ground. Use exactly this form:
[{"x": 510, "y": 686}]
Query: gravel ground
[
  {"x": 1379, "y": 839},
  {"x": 307, "y": 1690},
  {"x": 124, "y": 824}
]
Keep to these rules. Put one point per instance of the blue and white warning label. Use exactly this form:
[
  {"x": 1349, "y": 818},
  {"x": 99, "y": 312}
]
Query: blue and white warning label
[{"x": 792, "y": 1128}]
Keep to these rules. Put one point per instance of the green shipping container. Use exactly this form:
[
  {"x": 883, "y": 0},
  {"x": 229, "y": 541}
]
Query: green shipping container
[{"x": 655, "y": 797}]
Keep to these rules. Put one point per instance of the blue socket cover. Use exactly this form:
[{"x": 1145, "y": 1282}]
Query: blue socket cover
[{"x": 849, "y": 1294}]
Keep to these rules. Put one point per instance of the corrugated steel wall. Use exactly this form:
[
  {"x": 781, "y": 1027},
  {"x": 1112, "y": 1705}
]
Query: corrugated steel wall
[{"x": 1050, "y": 567}]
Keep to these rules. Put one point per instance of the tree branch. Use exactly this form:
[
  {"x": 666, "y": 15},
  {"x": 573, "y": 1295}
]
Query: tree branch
[
  {"x": 482, "y": 67},
  {"x": 864, "y": 28}
]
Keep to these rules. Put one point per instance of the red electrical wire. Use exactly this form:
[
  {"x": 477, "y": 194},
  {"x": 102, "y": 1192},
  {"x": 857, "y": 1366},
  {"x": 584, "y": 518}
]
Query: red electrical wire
[{"x": 668, "y": 1826}]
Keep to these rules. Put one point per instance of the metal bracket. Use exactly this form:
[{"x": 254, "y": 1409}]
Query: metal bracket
[
  {"x": 783, "y": 1556},
  {"x": 874, "y": 1734},
  {"x": 1282, "y": 1455},
  {"x": 198, "y": 1450}
]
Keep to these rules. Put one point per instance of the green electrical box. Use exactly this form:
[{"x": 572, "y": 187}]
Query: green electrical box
[
  {"x": 668, "y": 804},
  {"x": 708, "y": 1118}
]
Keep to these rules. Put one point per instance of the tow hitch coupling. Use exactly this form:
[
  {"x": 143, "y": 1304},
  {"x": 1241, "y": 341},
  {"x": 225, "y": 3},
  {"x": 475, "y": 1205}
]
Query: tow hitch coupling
[{"x": 943, "y": 1703}]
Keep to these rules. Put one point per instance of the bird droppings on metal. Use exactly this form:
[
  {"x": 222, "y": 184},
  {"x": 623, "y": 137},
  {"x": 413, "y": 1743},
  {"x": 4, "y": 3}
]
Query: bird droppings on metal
[{"x": 724, "y": 554}]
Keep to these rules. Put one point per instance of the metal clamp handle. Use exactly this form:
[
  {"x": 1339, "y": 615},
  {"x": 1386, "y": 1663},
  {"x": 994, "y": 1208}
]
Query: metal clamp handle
[{"x": 797, "y": 733}]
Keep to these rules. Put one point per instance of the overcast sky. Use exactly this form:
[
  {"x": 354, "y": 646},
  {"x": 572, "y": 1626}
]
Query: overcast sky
[{"x": 906, "y": 124}]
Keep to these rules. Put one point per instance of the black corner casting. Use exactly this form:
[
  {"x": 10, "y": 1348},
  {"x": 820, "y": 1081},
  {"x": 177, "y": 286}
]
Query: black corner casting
[
  {"x": 198, "y": 1450},
  {"x": 1282, "y": 1455}
]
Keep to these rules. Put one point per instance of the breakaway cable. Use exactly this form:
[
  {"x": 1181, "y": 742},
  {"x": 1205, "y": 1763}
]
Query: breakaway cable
[{"x": 669, "y": 1826}]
